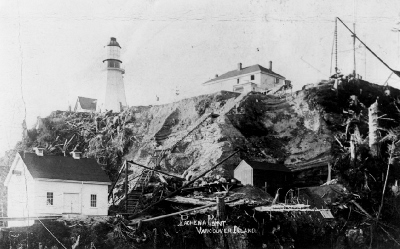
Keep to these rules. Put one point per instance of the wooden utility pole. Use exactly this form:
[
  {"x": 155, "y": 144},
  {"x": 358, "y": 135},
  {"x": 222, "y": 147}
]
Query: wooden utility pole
[{"x": 126, "y": 186}]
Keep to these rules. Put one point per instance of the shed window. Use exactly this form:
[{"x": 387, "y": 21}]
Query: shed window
[
  {"x": 237, "y": 81},
  {"x": 251, "y": 77},
  {"x": 16, "y": 172},
  {"x": 93, "y": 200},
  {"x": 276, "y": 81},
  {"x": 50, "y": 199}
]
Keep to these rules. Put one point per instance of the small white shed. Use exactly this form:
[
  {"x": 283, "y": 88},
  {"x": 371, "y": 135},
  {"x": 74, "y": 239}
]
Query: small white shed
[
  {"x": 45, "y": 185},
  {"x": 258, "y": 173}
]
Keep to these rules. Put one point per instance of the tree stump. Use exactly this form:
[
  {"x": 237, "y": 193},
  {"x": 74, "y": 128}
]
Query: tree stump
[
  {"x": 373, "y": 128},
  {"x": 220, "y": 208}
]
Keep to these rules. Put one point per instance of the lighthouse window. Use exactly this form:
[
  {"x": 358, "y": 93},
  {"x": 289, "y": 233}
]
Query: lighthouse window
[{"x": 112, "y": 63}]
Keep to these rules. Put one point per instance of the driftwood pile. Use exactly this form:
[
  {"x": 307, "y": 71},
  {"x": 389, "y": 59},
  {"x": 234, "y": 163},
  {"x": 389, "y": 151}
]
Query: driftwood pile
[{"x": 104, "y": 136}]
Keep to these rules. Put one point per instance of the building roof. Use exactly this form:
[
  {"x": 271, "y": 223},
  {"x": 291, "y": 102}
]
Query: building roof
[
  {"x": 267, "y": 166},
  {"x": 245, "y": 70},
  {"x": 321, "y": 160},
  {"x": 64, "y": 168},
  {"x": 87, "y": 103},
  {"x": 113, "y": 42}
]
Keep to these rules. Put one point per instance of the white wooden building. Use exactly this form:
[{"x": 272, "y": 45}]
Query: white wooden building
[
  {"x": 259, "y": 173},
  {"x": 84, "y": 104},
  {"x": 254, "y": 78},
  {"x": 45, "y": 185}
]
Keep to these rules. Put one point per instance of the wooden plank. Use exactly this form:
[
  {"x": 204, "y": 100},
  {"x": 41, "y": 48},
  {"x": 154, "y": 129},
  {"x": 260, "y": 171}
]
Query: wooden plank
[
  {"x": 159, "y": 171},
  {"x": 181, "y": 212}
]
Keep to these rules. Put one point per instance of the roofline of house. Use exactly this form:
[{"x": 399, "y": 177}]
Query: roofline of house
[
  {"x": 286, "y": 169},
  {"x": 72, "y": 181},
  {"x": 18, "y": 157},
  {"x": 86, "y": 98},
  {"x": 316, "y": 165},
  {"x": 13, "y": 165},
  {"x": 275, "y": 75},
  {"x": 210, "y": 82}
]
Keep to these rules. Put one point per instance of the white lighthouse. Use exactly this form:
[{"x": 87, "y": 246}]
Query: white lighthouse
[{"x": 115, "y": 99}]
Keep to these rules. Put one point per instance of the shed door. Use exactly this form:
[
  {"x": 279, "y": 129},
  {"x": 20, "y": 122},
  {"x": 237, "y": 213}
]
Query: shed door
[{"x": 71, "y": 203}]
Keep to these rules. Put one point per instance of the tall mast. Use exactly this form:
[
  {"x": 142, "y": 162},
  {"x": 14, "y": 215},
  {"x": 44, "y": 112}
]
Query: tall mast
[
  {"x": 354, "y": 38},
  {"x": 354, "y": 49},
  {"x": 336, "y": 68}
]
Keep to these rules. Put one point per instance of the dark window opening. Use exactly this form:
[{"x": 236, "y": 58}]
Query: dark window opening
[
  {"x": 252, "y": 77},
  {"x": 238, "y": 81},
  {"x": 93, "y": 200},
  {"x": 50, "y": 198},
  {"x": 114, "y": 64}
]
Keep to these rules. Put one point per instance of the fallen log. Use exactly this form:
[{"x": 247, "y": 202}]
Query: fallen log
[
  {"x": 158, "y": 171},
  {"x": 181, "y": 212},
  {"x": 185, "y": 185},
  {"x": 186, "y": 200}
]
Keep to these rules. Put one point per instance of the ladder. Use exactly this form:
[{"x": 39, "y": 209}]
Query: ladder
[{"x": 135, "y": 196}]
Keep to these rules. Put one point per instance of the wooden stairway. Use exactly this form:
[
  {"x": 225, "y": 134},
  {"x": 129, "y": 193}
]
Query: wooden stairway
[
  {"x": 133, "y": 201},
  {"x": 135, "y": 196}
]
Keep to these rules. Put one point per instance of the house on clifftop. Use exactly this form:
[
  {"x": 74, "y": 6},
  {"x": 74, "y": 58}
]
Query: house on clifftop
[
  {"x": 246, "y": 79},
  {"x": 42, "y": 186}
]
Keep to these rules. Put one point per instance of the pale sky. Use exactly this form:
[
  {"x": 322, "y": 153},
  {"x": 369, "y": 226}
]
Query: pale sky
[{"x": 52, "y": 51}]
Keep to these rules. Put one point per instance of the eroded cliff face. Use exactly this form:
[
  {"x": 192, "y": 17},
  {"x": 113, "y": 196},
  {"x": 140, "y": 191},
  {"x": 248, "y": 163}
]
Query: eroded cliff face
[
  {"x": 292, "y": 129},
  {"x": 265, "y": 127}
]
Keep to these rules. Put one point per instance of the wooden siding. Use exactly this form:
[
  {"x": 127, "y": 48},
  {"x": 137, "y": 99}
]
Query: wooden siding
[
  {"x": 27, "y": 197},
  {"x": 244, "y": 173}
]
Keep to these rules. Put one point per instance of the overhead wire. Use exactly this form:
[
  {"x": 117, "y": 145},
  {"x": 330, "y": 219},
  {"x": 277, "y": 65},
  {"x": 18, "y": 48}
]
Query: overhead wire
[
  {"x": 52, "y": 234},
  {"x": 384, "y": 63}
]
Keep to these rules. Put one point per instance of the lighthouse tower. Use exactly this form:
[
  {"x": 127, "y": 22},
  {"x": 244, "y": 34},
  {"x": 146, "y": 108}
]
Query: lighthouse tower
[{"x": 115, "y": 99}]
